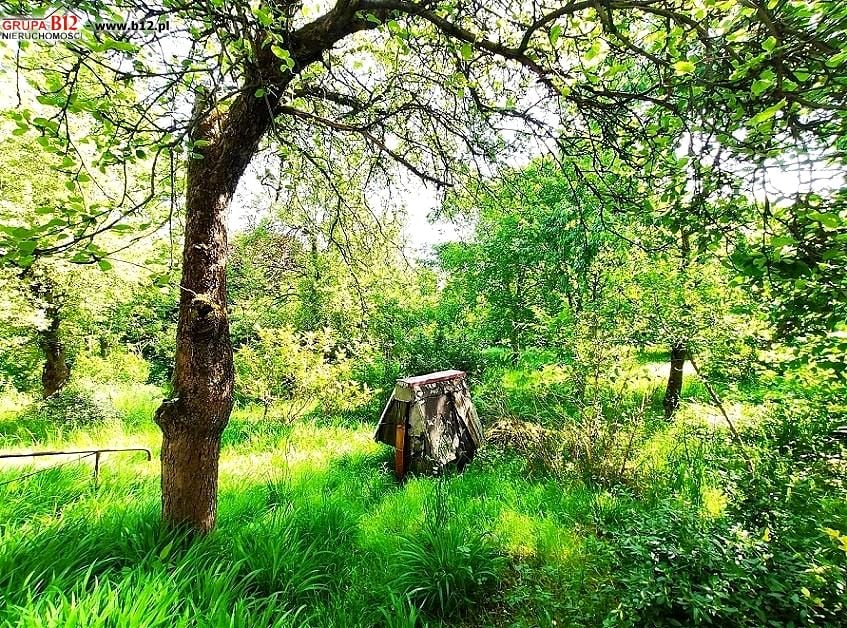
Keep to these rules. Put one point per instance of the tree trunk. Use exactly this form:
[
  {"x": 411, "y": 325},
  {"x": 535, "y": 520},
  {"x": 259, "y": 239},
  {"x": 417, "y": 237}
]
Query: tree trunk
[
  {"x": 190, "y": 478},
  {"x": 194, "y": 418},
  {"x": 673, "y": 392},
  {"x": 56, "y": 372}
]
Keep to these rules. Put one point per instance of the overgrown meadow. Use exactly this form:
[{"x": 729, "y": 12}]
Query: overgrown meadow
[{"x": 566, "y": 517}]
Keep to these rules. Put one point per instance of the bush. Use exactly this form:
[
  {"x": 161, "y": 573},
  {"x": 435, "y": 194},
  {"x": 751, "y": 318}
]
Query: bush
[
  {"x": 677, "y": 569},
  {"x": 289, "y": 373},
  {"x": 70, "y": 407},
  {"x": 433, "y": 347},
  {"x": 119, "y": 366},
  {"x": 775, "y": 555}
]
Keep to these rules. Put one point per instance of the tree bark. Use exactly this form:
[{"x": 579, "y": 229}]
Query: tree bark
[
  {"x": 673, "y": 392},
  {"x": 56, "y": 371},
  {"x": 190, "y": 479},
  {"x": 194, "y": 418}
]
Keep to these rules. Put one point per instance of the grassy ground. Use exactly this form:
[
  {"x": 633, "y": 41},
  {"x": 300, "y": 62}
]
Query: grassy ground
[{"x": 313, "y": 530}]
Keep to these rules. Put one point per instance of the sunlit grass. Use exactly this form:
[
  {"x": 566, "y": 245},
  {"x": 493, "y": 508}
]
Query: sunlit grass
[
  {"x": 310, "y": 523},
  {"x": 314, "y": 530}
]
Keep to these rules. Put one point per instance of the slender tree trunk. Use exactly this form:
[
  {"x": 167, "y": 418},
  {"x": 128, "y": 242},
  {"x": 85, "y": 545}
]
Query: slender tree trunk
[
  {"x": 673, "y": 392},
  {"x": 679, "y": 350},
  {"x": 56, "y": 371},
  {"x": 193, "y": 419}
]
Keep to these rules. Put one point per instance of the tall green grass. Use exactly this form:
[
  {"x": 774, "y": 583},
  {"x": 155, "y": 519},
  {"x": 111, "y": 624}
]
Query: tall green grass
[{"x": 313, "y": 530}]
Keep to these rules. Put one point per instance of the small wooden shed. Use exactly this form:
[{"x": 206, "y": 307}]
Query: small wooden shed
[{"x": 431, "y": 422}]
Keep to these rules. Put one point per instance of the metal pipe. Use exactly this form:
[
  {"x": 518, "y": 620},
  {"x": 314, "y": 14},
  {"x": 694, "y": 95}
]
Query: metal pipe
[{"x": 36, "y": 454}]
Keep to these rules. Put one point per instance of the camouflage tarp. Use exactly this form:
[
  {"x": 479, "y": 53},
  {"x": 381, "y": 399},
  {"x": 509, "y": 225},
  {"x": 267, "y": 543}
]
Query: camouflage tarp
[{"x": 441, "y": 424}]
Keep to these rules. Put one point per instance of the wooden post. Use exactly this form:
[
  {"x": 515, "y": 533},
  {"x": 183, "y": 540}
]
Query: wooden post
[
  {"x": 96, "y": 469},
  {"x": 400, "y": 450}
]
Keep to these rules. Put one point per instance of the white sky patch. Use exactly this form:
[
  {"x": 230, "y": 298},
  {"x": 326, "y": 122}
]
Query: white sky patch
[{"x": 786, "y": 180}]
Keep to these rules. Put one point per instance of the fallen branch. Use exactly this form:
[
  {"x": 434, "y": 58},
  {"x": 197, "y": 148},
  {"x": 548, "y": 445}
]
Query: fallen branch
[{"x": 729, "y": 422}]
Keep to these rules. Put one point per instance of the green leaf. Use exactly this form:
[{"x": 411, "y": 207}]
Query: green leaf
[
  {"x": 769, "y": 44},
  {"x": 767, "y": 114},
  {"x": 160, "y": 281},
  {"x": 760, "y": 86},
  {"x": 280, "y": 52},
  {"x": 683, "y": 67},
  {"x": 166, "y": 551},
  {"x": 260, "y": 93},
  {"x": 27, "y": 247},
  {"x": 104, "y": 264},
  {"x": 837, "y": 60},
  {"x": 466, "y": 51},
  {"x": 554, "y": 34},
  {"x": 827, "y": 219},
  {"x": 122, "y": 46},
  {"x": 264, "y": 16}
]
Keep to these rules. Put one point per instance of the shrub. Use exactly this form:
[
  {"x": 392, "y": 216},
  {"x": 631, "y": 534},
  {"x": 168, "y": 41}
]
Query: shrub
[
  {"x": 676, "y": 569},
  {"x": 434, "y": 347},
  {"x": 774, "y": 556},
  {"x": 70, "y": 407},
  {"x": 539, "y": 447},
  {"x": 119, "y": 366},
  {"x": 300, "y": 371}
]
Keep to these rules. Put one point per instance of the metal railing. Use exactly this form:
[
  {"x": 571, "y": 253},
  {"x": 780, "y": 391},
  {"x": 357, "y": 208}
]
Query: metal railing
[{"x": 82, "y": 454}]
